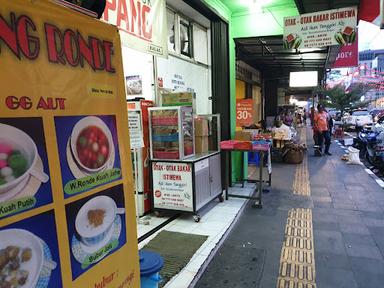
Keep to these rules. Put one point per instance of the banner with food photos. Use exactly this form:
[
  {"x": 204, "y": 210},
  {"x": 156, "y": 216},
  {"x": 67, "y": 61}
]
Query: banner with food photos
[
  {"x": 320, "y": 29},
  {"x": 67, "y": 212}
]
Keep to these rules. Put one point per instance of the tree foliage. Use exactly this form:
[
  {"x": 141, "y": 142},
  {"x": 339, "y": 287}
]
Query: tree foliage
[{"x": 343, "y": 99}]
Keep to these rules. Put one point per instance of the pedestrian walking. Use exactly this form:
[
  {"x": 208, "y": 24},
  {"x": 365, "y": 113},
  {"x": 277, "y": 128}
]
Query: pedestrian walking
[
  {"x": 321, "y": 125},
  {"x": 305, "y": 117}
]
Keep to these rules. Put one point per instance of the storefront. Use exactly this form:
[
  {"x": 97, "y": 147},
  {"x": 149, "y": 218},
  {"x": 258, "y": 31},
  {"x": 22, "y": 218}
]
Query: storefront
[{"x": 182, "y": 69}]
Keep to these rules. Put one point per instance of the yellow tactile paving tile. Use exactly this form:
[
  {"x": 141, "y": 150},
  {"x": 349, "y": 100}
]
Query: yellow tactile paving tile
[
  {"x": 301, "y": 181},
  {"x": 297, "y": 261}
]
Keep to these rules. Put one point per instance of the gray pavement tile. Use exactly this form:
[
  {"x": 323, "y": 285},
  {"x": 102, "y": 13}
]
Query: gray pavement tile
[
  {"x": 330, "y": 242},
  {"x": 369, "y": 207},
  {"x": 367, "y": 251},
  {"x": 369, "y": 280},
  {"x": 328, "y": 211},
  {"x": 267, "y": 282},
  {"x": 358, "y": 239},
  {"x": 348, "y": 218},
  {"x": 329, "y": 226},
  {"x": 321, "y": 199},
  {"x": 373, "y": 215},
  {"x": 323, "y": 217},
  {"x": 332, "y": 260},
  {"x": 376, "y": 231},
  {"x": 355, "y": 187},
  {"x": 334, "y": 278},
  {"x": 373, "y": 222},
  {"x": 346, "y": 206},
  {"x": 379, "y": 239},
  {"x": 322, "y": 205},
  {"x": 362, "y": 264},
  {"x": 376, "y": 196},
  {"x": 354, "y": 228}
]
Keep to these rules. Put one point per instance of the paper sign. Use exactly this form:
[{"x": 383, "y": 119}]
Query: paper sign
[
  {"x": 320, "y": 29},
  {"x": 172, "y": 186},
  {"x": 244, "y": 112},
  {"x": 65, "y": 180},
  {"x": 135, "y": 129},
  {"x": 142, "y": 24}
]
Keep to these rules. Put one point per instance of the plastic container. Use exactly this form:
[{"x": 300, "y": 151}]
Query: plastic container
[
  {"x": 253, "y": 158},
  {"x": 227, "y": 145},
  {"x": 243, "y": 145},
  {"x": 150, "y": 265}
]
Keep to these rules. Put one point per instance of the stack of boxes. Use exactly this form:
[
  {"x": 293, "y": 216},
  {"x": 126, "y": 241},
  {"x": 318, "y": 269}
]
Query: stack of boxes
[{"x": 201, "y": 135}]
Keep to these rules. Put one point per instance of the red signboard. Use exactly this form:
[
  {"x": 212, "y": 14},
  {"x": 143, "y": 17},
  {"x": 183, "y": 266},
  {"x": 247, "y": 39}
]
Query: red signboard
[
  {"x": 348, "y": 55},
  {"x": 244, "y": 112}
]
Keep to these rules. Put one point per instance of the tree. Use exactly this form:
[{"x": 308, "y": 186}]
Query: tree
[{"x": 342, "y": 99}]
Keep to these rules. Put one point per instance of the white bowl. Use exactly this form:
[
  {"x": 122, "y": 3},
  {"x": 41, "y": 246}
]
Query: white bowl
[
  {"x": 94, "y": 235},
  {"x": 21, "y": 141},
  {"x": 79, "y": 127},
  {"x": 25, "y": 239}
]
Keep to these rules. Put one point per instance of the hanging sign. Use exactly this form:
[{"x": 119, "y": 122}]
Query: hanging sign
[
  {"x": 135, "y": 129},
  {"x": 66, "y": 207},
  {"x": 142, "y": 24},
  {"x": 372, "y": 11},
  {"x": 320, "y": 29},
  {"x": 172, "y": 186},
  {"x": 244, "y": 112},
  {"x": 348, "y": 55}
]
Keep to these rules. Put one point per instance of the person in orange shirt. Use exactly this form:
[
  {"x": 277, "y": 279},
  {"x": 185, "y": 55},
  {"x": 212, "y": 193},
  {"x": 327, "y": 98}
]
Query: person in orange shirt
[{"x": 322, "y": 129}]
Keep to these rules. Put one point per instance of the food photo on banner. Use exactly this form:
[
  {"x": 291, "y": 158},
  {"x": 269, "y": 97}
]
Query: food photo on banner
[
  {"x": 24, "y": 171},
  {"x": 88, "y": 152},
  {"x": 96, "y": 228},
  {"x": 29, "y": 254}
]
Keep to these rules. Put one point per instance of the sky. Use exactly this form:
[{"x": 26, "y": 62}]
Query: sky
[{"x": 370, "y": 36}]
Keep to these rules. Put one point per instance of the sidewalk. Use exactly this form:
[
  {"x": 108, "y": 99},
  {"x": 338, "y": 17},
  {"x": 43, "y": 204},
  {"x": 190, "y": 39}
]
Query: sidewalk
[{"x": 337, "y": 240}]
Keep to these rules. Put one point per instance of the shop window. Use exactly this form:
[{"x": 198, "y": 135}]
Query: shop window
[
  {"x": 185, "y": 38},
  {"x": 171, "y": 31}
]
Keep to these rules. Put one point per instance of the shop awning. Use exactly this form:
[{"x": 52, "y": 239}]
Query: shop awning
[{"x": 269, "y": 56}]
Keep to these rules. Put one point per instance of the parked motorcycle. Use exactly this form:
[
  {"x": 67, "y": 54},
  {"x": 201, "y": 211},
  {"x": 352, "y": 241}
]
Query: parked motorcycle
[{"x": 371, "y": 146}]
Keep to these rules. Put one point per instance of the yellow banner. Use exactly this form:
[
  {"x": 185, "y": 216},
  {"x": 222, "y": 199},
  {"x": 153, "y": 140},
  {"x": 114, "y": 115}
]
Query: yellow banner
[{"x": 66, "y": 202}]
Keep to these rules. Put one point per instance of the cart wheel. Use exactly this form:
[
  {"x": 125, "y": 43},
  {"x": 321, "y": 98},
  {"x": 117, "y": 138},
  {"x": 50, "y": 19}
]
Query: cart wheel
[
  {"x": 196, "y": 218},
  {"x": 157, "y": 214},
  {"x": 221, "y": 198}
]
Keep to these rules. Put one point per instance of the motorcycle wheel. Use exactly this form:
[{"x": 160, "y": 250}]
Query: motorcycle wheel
[
  {"x": 374, "y": 161},
  {"x": 369, "y": 158},
  {"x": 362, "y": 151}
]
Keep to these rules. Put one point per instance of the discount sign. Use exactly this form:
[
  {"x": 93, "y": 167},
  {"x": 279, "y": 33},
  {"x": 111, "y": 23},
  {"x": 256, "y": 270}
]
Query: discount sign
[{"x": 244, "y": 112}]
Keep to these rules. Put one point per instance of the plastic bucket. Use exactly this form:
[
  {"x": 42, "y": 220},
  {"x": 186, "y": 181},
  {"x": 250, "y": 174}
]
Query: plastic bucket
[{"x": 150, "y": 265}]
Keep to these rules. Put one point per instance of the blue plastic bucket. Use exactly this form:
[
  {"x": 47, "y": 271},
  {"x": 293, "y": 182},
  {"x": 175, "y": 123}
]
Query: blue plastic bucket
[{"x": 150, "y": 266}]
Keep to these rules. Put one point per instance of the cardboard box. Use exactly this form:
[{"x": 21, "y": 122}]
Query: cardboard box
[
  {"x": 201, "y": 127},
  {"x": 243, "y": 136},
  {"x": 201, "y": 144}
]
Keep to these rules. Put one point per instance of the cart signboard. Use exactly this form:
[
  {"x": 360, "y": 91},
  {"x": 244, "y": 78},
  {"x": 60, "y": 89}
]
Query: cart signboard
[
  {"x": 320, "y": 29},
  {"x": 66, "y": 207},
  {"x": 172, "y": 186}
]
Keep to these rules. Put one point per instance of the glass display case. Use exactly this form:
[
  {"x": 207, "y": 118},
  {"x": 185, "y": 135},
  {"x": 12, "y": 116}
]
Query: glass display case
[
  {"x": 207, "y": 133},
  {"x": 171, "y": 132}
]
